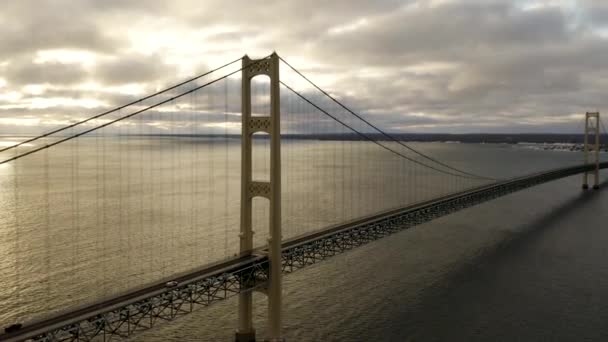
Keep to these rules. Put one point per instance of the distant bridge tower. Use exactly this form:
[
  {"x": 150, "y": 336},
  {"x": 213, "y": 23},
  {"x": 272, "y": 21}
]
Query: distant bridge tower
[
  {"x": 592, "y": 127},
  {"x": 270, "y": 190}
]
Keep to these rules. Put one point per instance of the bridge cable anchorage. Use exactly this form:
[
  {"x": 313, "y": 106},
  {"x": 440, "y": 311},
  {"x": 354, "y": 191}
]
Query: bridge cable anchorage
[
  {"x": 19, "y": 156},
  {"x": 118, "y": 108},
  {"x": 390, "y": 137},
  {"x": 363, "y": 135}
]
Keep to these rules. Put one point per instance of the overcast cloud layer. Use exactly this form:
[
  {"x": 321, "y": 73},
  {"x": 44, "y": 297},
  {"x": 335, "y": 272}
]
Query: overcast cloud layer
[{"x": 410, "y": 66}]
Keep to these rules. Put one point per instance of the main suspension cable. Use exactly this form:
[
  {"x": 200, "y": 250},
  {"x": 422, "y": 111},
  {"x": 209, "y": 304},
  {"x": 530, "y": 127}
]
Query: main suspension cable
[
  {"x": 365, "y": 136},
  {"x": 117, "y": 108},
  {"x": 390, "y": 137},
  {"x": 130, "y": 115}
]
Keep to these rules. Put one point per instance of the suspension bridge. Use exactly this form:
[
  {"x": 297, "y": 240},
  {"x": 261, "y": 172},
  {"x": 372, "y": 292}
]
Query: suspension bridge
[{"x": 213, "y": 188}]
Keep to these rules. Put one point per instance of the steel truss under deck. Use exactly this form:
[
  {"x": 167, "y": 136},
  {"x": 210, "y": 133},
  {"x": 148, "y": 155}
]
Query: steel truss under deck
[{"x": 123, "y": 316}]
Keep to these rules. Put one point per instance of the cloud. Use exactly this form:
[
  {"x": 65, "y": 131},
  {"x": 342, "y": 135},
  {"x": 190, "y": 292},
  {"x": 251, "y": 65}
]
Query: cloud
[
  {"x": 470, "y": 65},
  {"x": 30, "y": 25},
  {"x": 596, "y": 12},
  {"x": 23, "y": 72},
  {"x": 133, "y": 68}
]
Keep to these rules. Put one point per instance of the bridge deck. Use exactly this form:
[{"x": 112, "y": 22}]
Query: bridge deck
[{"x": 142, "y": 308}]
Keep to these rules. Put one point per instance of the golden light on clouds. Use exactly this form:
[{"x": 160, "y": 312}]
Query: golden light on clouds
[
  {"x": 50, "y": 102},
  {"x": 10, "y": 96},
  {"x": 231, "y": 127},
  {"x": 66, "y": 56},
  {"x": 17, "y": 122},
  {"x": 349, "y": 27},
  {"x": 35, "y": 89},
  {"x": 431, "y": 67}
]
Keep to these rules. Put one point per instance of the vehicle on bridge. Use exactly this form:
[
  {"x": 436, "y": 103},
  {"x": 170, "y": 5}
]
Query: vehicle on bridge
[{"x": 13, "y": 327}]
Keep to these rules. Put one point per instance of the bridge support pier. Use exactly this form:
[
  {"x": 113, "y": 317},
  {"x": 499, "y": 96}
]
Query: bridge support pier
[
  {"x": 592, "y": 126},
  {"x": 270, "y": 190},
  {"x": 245, "y": 336}
]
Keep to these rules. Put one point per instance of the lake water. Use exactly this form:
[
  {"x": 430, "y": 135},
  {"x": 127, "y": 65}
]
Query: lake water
[{"x": 102, "y": 216}]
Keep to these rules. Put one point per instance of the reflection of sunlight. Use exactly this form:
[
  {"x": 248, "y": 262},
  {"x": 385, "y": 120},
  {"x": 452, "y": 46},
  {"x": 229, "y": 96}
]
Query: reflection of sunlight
[
  {"x": 6, "y": 168},
  {"x": 7, "y": 222}
]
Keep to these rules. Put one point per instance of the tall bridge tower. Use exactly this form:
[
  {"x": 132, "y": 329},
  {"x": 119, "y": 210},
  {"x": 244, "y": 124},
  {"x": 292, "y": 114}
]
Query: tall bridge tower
[
  {"x": 271, "y": 190},
  {"x": 592, "y": 132}
]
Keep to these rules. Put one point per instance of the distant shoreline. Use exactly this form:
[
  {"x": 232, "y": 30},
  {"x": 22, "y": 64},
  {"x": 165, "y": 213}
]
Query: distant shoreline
[{"x": 524, "y": 138}]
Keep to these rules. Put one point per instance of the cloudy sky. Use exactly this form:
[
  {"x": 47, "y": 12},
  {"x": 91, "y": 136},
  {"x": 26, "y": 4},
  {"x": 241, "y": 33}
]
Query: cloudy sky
[{"x": 410, "y": 66}]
